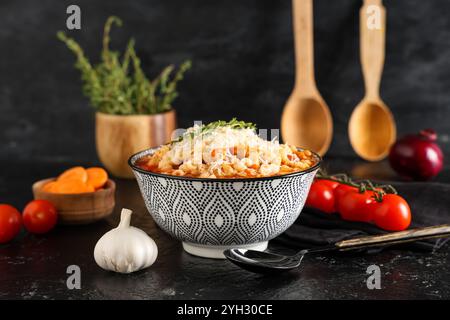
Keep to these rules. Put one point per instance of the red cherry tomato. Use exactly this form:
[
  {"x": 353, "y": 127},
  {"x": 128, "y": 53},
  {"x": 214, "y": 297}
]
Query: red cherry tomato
[
  {"x": 340, "y": 191},
  {"x": 321, "y": 197},
  {"x": 331, "y": 183},
  {"x": 39, "y": 216},
  {"x": 392, "y": 213},
  {"x": 10, "y": 222},
  {"x": 355, "y": 205}
]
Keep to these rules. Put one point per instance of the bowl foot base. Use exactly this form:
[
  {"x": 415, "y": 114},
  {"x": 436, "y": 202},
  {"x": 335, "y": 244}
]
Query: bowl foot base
[{"x": 216, "y": 252}]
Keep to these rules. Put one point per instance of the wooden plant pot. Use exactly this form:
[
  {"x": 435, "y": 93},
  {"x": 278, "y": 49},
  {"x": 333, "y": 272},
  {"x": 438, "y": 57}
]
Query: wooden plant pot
[{"x": 118, "y": 137}]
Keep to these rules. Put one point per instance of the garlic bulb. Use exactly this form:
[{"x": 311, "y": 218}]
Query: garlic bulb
[{"x": 125, "y": 249}]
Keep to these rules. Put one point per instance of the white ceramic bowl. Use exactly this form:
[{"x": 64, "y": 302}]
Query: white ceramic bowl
[{"x": 211, "y": 215}]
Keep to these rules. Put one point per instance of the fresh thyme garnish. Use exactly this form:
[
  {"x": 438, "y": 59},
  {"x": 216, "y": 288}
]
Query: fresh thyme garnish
[
  {"x": 205, "y": 129},
  {"x": 233, "y": 124}
]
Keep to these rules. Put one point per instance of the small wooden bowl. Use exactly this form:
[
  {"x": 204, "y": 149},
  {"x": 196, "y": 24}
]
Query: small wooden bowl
[{"x": 81, "y": 208}]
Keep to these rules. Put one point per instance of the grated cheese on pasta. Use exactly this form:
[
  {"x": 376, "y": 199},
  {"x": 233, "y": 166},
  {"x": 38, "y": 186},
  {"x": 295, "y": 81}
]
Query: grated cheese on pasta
[{"x": 226, "y": 152}]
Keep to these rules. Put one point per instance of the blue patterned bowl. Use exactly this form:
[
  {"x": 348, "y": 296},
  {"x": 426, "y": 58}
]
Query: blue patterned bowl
[{"x": 211, "y": 215}]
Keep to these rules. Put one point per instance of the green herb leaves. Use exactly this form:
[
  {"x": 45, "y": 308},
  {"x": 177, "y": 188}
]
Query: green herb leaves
[
  {"x": 233, "y": 123},
  {"x": 205, "y": 129},
  {"x": 117, "y": 85}
]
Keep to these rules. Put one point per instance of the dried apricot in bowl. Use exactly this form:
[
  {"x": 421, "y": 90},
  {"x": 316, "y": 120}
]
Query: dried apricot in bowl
[
  {"x": 97, "y": 177},
  {"x": 75, "y": 173},
  {"x": 78, "y": 180},
  {"x": 71, "y": 187}
]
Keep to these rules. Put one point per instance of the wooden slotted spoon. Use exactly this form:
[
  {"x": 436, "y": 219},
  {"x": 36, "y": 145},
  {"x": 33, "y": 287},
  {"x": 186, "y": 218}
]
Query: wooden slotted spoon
[{"x": 306, "y": 120}]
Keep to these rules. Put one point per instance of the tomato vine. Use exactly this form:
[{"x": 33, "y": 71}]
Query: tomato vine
[{"x": 379, "y": 190}]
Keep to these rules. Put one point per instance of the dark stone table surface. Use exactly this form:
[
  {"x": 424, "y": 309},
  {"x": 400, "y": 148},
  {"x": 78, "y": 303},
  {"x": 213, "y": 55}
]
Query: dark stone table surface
[{"x": 34, "y": 267}]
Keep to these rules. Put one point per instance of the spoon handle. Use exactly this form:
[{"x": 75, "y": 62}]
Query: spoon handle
[
  {"x": 372, "y": 26},
  {"x": 302, "y": 20},
  {"x": 395, "y": 238}
]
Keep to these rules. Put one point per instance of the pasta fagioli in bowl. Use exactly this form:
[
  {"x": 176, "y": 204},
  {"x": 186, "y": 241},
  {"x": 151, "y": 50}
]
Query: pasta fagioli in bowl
[{"x": 221, "y": 185}]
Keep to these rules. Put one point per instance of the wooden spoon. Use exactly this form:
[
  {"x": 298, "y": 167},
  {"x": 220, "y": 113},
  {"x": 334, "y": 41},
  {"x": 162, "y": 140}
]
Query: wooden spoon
[
  {"x": 306, "y": 120},
  {"x": 372, "y": 127}
]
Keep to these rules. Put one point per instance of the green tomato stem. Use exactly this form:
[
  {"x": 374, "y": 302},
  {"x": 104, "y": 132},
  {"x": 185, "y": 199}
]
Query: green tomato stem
[{"x": 362, "y": 186}]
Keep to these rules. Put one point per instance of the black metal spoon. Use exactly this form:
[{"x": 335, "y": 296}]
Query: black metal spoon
[{"x": 266, "y": 262}]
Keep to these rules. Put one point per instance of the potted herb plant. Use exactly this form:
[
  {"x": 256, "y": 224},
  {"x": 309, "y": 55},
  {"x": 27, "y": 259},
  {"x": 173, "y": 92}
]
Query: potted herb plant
[{"x": 132, "y": 112}]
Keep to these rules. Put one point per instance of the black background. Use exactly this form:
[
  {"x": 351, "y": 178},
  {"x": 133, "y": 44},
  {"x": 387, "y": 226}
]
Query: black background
[{"x": 243, "y": 65}]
